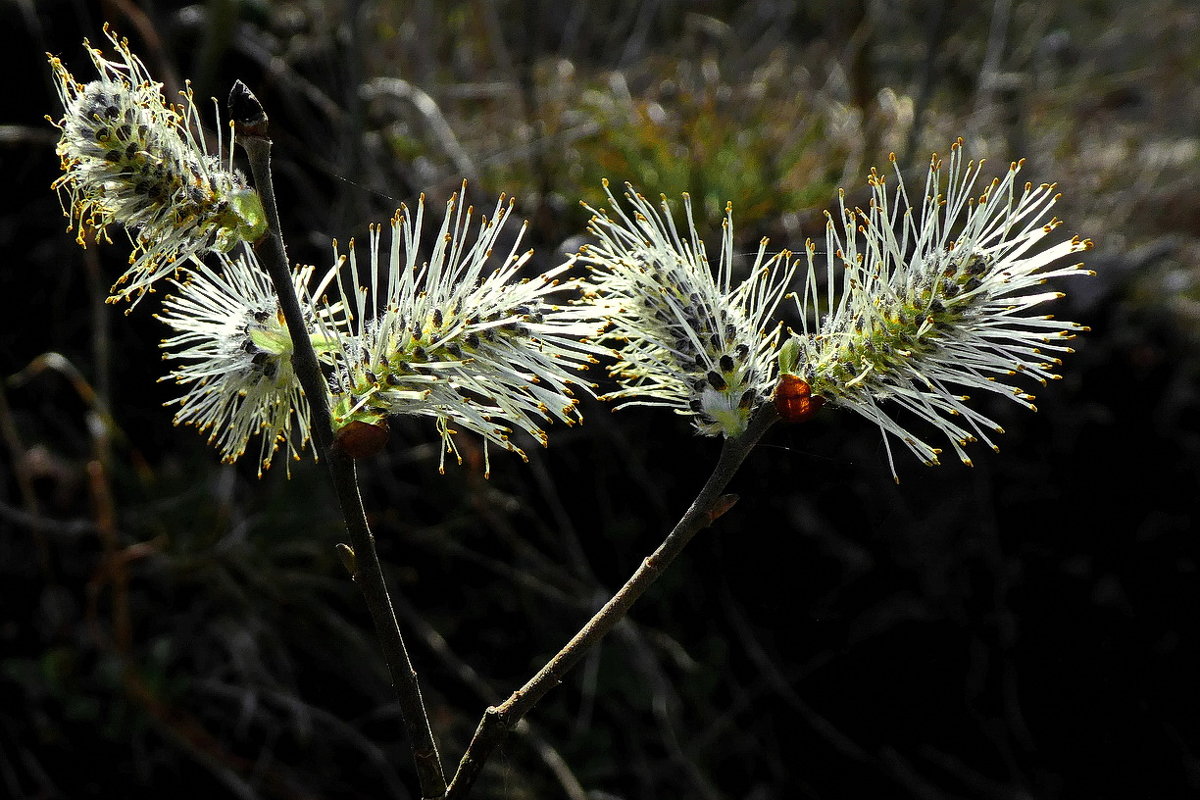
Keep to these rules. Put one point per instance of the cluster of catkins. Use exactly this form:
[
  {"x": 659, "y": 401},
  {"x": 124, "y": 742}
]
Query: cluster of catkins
[{"x": 917, "y": 302}]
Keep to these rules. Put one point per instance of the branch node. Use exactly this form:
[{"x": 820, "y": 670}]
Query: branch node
[
  {"x": 349, "y": 559},
  {"x": 720, "y": 506}
]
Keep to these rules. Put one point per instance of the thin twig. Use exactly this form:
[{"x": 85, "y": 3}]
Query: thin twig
[
  {"x": 572, "y": 789},
  {"x": 364, "y": 564},
  {"x": 708, "y": 505}
]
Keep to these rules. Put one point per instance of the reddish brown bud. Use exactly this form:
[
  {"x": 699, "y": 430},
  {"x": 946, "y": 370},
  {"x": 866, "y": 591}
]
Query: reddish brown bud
[
  {"x": 794, "y": 399},
  {"x": 359, "y": 439}
]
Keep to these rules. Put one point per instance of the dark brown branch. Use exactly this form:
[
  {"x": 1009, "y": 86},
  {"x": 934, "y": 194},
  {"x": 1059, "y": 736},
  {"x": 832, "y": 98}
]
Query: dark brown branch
[
  {"x": 708, "y": 505},
  {"x": 251, "y": 122}
]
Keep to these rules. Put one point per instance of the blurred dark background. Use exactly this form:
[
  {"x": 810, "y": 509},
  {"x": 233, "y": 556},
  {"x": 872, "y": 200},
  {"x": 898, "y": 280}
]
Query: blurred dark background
[{"x": 1023, "y": 629}]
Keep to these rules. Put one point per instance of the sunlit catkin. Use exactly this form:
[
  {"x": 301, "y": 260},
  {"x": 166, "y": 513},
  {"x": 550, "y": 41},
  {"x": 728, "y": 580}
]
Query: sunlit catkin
[{"x": 130, "y": 158}]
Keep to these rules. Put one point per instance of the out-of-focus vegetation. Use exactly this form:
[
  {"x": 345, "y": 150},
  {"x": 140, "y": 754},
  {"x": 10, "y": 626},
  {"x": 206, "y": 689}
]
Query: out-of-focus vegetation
[{"x": 1022, "y": 629}]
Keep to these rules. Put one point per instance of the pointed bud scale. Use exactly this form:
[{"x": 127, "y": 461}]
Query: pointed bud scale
[
  {"x": 359, "y": 439},
  {"x": 789, "y": 356}
]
